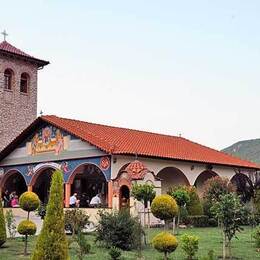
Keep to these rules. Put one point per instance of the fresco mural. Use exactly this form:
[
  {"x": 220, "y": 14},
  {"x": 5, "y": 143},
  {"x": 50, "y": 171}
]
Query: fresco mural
[
  {"x": 48, "y": 139},
  {"x": 67, "y": 167}
]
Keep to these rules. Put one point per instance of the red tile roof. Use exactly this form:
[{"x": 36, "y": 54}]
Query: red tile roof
[
  {"x": 7, "y": 48},
  {"x": 116, "y": 140}
]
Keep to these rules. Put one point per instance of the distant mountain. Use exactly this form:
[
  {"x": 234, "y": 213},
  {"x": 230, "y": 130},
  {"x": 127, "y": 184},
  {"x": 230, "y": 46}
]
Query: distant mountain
[{"x": 248, "y": 150}]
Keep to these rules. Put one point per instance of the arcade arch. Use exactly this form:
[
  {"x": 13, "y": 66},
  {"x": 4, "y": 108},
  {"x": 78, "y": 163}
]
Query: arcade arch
[
  {"x": 202, "y": 178},
  {"x": 13, "y": 181},
  {"x": 41, "y": 183},
  {"x": 171, "y": 176},
  {"x": 244, "y": 186},
  {"x": 88, "y": 180}
]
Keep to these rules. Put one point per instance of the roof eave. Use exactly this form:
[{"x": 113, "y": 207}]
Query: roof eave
[
  {"x": 38, "y": 62},
  {"x": 191, "y": 161}
]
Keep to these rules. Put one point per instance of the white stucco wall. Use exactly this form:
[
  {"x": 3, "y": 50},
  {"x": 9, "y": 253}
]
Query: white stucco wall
[{"x": 191, "y": 170}]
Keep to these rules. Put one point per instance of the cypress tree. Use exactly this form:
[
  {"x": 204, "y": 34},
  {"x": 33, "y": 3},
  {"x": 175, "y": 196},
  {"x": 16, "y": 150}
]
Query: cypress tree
[
  {"x": 2, "y": 225},
  {"x": 52, "y": 243}
]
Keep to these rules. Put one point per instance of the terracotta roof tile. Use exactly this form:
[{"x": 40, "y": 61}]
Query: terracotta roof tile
[
  {"x": 6, "y": 47},
  {"x": 118, "y": 140}
]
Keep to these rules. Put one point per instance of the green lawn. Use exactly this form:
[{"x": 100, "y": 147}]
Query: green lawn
[{"x": 210, "y": 238}]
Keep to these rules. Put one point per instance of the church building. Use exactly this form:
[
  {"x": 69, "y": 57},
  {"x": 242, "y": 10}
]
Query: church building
[{"x": 94, "y": 158}]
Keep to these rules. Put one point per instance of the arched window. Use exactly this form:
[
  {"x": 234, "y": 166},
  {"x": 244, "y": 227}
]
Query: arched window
[
  {"x": 8, "y": 79},
  {"x": 24, "y": 83}
]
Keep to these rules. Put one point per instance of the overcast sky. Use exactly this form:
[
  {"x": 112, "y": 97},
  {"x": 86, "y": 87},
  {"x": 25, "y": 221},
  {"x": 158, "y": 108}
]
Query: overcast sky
[{"x": 189, "y": 67}]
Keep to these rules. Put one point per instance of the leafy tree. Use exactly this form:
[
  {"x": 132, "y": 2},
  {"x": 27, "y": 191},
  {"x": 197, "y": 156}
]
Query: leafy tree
[
  {"x": 28, "y": 201},
  {"x": 2, "y": 225},
  {"x": 213, "y": 189},
  {"x": 144, "y": 193},
  {"x": 230, "y": 213},
  {"x": 165, "y": 242},
  {"x": 182, "y": 197},
  {"x": 52, "y": 243},
  {"x": 194, "y": 206}
]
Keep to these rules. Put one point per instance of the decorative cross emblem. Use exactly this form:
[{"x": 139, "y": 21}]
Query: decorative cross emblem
[{"x": 5, "y": 34}]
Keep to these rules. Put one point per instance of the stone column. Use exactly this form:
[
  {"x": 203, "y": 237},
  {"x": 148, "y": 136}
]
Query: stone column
[{"x": 67, "y": 194}]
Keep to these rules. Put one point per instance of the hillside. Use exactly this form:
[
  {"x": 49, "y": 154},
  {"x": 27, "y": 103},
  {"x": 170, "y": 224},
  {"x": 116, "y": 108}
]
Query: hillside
[{"x": 248, "y": 150}]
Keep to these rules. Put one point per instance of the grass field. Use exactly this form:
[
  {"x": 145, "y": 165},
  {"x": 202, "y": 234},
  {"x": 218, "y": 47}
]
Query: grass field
[{"x": 210, "y": 238}]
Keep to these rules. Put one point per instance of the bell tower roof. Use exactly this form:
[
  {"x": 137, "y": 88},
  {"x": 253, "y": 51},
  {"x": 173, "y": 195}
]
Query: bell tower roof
[{"x": 7, "y": 49}]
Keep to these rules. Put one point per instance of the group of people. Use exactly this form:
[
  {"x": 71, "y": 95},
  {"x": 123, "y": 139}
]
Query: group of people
[
  {"x": 10, "y": 199},
  {"x": 84, "y": 202}
]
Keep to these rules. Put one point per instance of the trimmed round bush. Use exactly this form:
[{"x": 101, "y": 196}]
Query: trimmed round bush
[
  {"x": 26, "y": 227},
  {"x": 29, "y": 201},
  {"x": 164, "y": 207},
  {"x": 165, "y": 242}
]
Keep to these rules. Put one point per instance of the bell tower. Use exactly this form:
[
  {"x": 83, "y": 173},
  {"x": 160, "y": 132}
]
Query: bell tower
[{"x": 18, "y": 90}]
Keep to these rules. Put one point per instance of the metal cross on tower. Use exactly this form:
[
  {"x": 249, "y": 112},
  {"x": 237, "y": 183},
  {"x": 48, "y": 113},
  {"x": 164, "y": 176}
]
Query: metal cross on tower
[{"x": 5, "y": 34}]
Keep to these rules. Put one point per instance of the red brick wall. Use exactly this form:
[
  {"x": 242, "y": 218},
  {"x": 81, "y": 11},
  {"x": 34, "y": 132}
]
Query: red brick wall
[{"x": 17, "y": 110}]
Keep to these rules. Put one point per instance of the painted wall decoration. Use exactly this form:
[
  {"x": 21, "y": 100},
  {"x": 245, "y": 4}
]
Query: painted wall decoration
[
  {"x": 104, "y": 163},
  {"x": 67, "y": 167},
  {"x": 48, "y": 139}
]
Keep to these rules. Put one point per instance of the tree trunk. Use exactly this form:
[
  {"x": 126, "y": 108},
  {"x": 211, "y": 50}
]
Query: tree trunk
[
  {"x": 178, "y": 223},
  {"x": 148, "y": 212},
  {"x": 224, "y": 246},
  {"x": 173, "y": 226},
  {"x": 144, "y": 216},
  {"x": 229, "y": 249},
  {"x": 165, "y": 256},
  {"x": 25, "y": 245}
]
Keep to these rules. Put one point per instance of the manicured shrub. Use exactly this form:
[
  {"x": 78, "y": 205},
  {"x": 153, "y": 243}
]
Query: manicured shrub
[
  {"x": 194, "y": 205},
  {"x": 165, "y": 242},
  {"x": 256, "y": 236},
  {"x": 52, "y": 243},
  {"x": 164, "y": 207},
  {"x": 198, "y": 221},
  {"x": 29, "y": 201},
  {"x": 75, "y": 220},
  {"x": 26, "y": 227},
  {"x": 115, "y": 253},
  {"x": 2, "y": 225},
  {"x": 119, "y": 229},
  {"x": 190, "y": 245}
]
